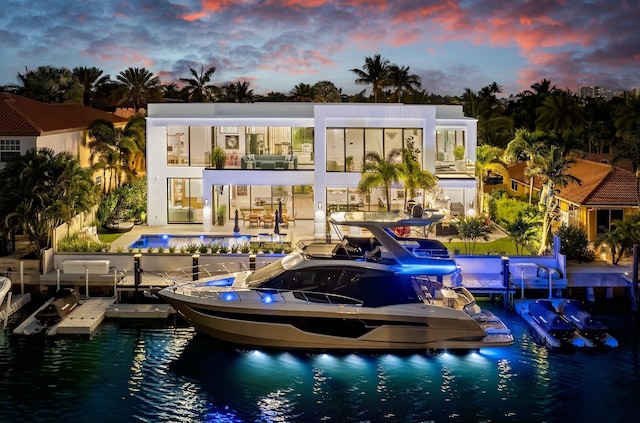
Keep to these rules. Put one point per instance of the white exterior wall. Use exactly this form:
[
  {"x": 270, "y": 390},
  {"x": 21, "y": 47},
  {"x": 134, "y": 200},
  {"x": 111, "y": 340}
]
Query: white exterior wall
[
  {"x": 69, "y": 142},
  {"x": 319, "y": 116}
]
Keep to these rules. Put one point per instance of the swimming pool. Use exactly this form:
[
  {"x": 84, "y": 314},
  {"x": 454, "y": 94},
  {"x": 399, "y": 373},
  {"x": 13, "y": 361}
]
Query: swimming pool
[{"x": 179, "y": 241}]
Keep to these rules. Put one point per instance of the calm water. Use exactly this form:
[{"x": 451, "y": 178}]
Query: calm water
[{"x": 146, "y": 374}]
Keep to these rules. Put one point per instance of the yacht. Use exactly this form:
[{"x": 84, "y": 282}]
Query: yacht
[
  {"x": 371, "y": 290},
  {"x": 5, "y": 287}
]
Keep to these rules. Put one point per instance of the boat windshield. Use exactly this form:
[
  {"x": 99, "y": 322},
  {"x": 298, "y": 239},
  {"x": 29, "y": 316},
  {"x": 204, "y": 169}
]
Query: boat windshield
[{"x": 272, "y": 270}]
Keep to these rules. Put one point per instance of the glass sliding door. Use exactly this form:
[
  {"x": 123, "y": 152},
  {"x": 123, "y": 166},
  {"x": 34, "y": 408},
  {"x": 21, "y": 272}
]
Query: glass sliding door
[{"x": 184, "y": 203}]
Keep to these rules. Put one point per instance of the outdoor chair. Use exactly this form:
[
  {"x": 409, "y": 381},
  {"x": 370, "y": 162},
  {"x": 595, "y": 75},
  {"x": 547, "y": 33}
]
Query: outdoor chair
[{"x": 254, "y": 220}]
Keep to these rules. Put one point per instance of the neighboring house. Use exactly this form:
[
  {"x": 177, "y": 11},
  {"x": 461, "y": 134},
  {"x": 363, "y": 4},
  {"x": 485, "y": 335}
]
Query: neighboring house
[
  {"x": 307, "y": 156},
  {"x": 606, "y": 194},
  {"x": 26, "y": 124}
]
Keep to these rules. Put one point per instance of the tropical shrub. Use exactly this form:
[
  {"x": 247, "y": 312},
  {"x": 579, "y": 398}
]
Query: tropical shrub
[
  {"x": 75, "y": 243},
  {"x": 574, "y": 243},
  {"x": 470, "y": 230}
]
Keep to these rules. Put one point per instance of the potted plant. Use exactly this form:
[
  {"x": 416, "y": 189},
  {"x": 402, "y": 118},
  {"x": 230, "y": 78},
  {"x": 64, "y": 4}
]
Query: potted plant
[
  {"x": 458, "y": 154},
  {"x": 218, "y": 157},
  {"x": 221, "y": 213},
  {"x": 349, "y": 162}
]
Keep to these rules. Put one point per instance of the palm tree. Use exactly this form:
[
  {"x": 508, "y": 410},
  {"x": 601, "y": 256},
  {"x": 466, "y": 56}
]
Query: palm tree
[
  {"x": 171, "y": 90},
  {"x": 116, "y": 150},
  {"x": 374, "y": 72},
  {"x": 237, "y": 92},
  {"x": 49, "y": 85},
  {"x": 615, "y": 239},
  {"x": 493, "y": 127},
  {"x": 470, "y": 230},
  {"x": 139, "y": 86},
  {"x": 627, "y": 122},
  {"x": 542, "y": 88},
  {"x": 488, "y": 158},
  {"x": 46, "y": 189},
  {"x": 197, "y": 86},
  {"x": 91, "y": 80},
  {"x": 402, "y": 81},
  {"x": 382, "y": 172},
  {"x": 470, "y": 103},
  {"x": 523, "y": 228},
  {"x": 560, "y": 112},
  {"x": 136, "y": 152},
  {"x": 412, "y": 175},
  {"x": 302, "y": 92},
  {"x": 527, "y": 146},
  {"x": 554, "y": 173},
  {"x": 524, "y": 110}
]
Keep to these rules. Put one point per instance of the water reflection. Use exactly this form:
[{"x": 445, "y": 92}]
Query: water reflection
[{"x": 175, "y": 375}]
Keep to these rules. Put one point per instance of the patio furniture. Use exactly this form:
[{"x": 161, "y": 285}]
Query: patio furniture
[
  {"x": 254, "y": 220},
  {"x": 457, "y": 209},
  {"x": 267, "y": 220},
  {"x": 269, "y": 161}
]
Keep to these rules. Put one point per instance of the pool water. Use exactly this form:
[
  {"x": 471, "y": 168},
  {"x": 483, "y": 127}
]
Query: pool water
[{"x": 178, "y": 241}]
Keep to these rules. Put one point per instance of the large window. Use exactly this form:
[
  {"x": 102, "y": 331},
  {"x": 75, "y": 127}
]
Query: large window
[
  {"x": 189, "y": 145},
  {"x": 9, "y": 150},
  {"x": 297, "y": 201},
  {"x": 605, "y": 217},
  {"x": 335, "y": 149},
  {"x": 347, "y": 147},
  {"x": 185, "y": 200},
  {"x": 192, "y": 146},
  {"x": 446, "y": 142}
]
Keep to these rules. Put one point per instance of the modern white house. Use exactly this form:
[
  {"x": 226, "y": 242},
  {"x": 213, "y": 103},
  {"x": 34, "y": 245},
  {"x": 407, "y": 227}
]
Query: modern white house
[{"x": 301, "y": 157}]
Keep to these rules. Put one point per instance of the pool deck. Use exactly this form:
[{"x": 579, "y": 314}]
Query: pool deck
[{"x": 302, "y": 229}]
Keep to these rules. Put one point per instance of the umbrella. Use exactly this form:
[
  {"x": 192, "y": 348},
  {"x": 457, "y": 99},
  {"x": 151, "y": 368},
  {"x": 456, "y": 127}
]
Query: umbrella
[
  {"x": 276, "y": 226},
  {"x": 279, "y": 215},
  {"x": 236, "y": 227}
]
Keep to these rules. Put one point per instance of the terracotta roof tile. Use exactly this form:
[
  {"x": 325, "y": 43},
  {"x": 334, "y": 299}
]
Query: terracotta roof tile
[
  {"x": 21, "y": 116},
  {"x": 601, "y": 185},
  {"x": 617, "y": 189}
]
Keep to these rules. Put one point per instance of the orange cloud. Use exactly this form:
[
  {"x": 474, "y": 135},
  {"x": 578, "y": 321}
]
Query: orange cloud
[
  {"x": 296, "y": 62},
  {"x": 210, "y": 7}
]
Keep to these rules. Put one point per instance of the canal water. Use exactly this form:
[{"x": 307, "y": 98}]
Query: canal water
[{"x": 140, "y": 373}]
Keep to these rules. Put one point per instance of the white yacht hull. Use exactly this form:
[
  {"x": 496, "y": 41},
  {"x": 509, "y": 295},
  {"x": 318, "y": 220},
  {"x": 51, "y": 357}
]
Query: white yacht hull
[
  {"x": 378, "y": 292},
  {"x": 335, "y": 327},
  {"x": 5, "y": 287}
]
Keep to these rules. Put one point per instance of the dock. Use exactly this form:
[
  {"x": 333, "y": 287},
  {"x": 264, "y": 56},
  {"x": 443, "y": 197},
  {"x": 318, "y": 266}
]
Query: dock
[
  {"x": 91, "y": 312},
  {"x": 85, "y": 319}
]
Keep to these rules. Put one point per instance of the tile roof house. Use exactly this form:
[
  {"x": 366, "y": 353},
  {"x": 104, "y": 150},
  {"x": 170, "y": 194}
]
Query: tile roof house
[
  {"x": 26, "y": 124},
  {"x": 606, "y": 193}
]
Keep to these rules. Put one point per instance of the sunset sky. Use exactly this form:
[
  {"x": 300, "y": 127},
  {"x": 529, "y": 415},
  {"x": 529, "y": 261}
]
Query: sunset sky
[{"x": 277, "y": 44}]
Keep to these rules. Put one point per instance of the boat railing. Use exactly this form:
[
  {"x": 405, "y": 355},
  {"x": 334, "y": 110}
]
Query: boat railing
[{"x": 197, "y": 273}]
